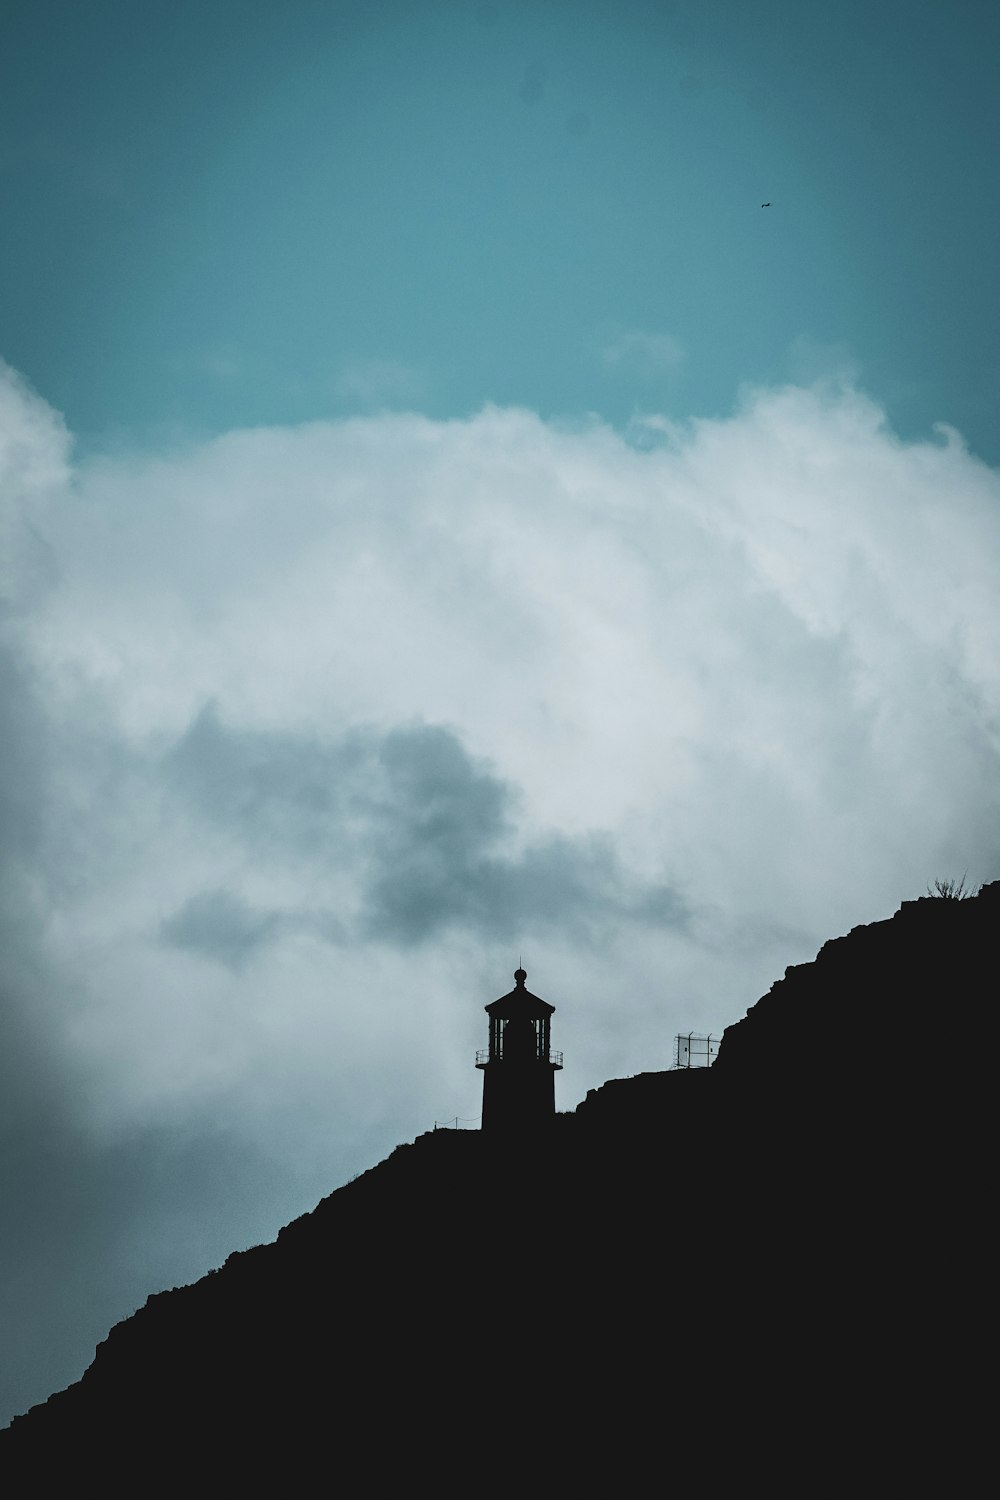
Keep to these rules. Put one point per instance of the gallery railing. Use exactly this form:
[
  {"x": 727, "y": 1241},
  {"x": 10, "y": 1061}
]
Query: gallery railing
[{"x": 483, "y": 1056}]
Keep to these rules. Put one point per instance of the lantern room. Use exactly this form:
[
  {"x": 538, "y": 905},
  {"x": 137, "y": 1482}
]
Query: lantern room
[{"x": 519, "y": 1066}]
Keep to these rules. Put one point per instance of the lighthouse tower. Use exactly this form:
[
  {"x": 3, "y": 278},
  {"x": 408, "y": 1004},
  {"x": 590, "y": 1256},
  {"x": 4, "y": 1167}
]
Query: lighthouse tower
[{"x": 518, "y": 1068}]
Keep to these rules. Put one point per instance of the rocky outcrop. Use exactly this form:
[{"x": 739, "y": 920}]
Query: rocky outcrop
[{"x": 893, "y": 1004}]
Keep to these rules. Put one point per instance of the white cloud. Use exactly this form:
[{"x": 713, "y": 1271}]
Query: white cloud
[
  {"x": 766, "y": 635},
  {"x": 775, "y": 633},
  {"x": 677, "y": 711}
]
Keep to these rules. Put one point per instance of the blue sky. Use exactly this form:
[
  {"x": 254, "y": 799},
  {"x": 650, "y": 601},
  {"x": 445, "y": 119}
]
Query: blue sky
[
  {"x": 445, "y": 521},
  {"x": 224, "y": 214}
]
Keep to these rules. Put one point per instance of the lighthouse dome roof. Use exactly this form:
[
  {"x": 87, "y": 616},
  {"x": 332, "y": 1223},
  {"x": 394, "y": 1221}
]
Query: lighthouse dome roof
[{"x": 519, "y": 1002}]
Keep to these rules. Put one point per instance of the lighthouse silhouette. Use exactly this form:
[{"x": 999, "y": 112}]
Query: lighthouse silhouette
[{"x": 518, "y": 1067}]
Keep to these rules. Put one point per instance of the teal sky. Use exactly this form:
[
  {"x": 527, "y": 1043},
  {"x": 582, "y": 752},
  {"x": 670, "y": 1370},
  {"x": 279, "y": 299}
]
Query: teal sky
[{"x": 230, "y": 212}]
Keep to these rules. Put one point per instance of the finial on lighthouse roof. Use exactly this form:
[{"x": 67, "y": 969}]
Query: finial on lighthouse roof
[{"x": 520, "y": 976}]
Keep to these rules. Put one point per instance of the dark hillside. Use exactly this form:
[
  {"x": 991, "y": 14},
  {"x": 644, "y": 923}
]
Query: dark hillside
[{"x": 764, "y": 1273}]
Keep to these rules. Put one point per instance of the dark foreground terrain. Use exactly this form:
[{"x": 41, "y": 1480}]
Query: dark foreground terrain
[{"x": 770, "y": 1276}]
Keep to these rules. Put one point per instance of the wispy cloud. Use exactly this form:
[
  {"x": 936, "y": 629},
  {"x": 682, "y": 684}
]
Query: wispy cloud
[
  {"x": 642, "y": 354},
  {"x": 381, "y": 383}
]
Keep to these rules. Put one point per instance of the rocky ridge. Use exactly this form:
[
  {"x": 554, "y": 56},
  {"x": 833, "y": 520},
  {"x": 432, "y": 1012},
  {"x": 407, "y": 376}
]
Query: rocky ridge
[{"x": 766, "y": 1269}]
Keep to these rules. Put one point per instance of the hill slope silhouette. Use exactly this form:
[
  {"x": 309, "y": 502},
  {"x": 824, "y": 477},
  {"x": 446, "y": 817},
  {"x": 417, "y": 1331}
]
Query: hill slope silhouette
[{"x": 768, "y": 1273}]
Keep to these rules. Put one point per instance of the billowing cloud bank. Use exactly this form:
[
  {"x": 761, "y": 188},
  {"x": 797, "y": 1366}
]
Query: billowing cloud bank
[{"x": 310, "y": 734}]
